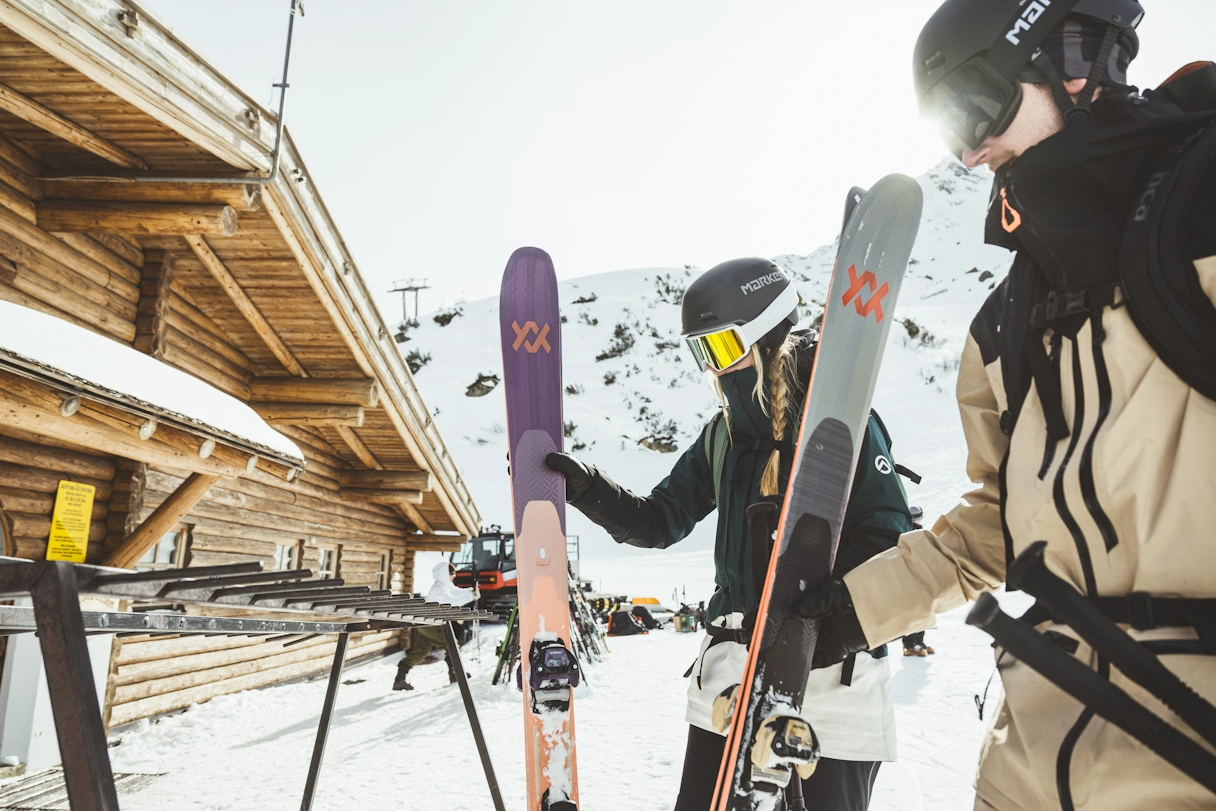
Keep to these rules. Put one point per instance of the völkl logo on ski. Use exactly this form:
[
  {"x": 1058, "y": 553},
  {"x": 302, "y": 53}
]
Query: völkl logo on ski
[
  {"x": 522, "y": 333},
  {"x": 853, "y": 294}
]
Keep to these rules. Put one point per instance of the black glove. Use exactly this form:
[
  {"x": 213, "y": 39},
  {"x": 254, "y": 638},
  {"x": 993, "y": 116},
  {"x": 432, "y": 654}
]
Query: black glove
[
  {"x": 840, "y": 633},
  {"x": 578, "y": 477}
]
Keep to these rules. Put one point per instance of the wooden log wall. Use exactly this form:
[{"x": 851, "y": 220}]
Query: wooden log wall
[
  {"x": 240, "y": 520},
  {"x": 151, "y": 676},
  {"x": 30, "y": 471}
]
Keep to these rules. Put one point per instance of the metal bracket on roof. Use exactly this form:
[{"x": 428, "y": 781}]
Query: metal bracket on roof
[
  {"x": 253, "y": 118},
  {"x": 128, "y": 18}
]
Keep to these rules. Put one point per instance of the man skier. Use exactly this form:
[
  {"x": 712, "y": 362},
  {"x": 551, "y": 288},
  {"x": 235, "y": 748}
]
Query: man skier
[
  {"x": 427, "y": 638},
  {"x": 1085, "y": 388}
]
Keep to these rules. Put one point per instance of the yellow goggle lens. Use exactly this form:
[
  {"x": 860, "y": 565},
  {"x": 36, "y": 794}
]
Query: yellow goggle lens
[{"x": 718, "y": 350}]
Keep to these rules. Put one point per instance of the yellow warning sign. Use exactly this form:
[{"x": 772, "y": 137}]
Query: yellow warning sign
[{"x": 70, "y": 523}]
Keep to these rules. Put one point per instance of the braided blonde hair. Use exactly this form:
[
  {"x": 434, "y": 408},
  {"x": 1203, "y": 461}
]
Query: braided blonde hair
[{"x": 782, "y": 378}]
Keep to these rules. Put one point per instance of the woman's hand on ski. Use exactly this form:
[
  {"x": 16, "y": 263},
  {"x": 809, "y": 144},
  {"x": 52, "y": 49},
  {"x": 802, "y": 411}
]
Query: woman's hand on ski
[
  {"x": 840, "y": 632},
  {"x": 578, "y": 477}
]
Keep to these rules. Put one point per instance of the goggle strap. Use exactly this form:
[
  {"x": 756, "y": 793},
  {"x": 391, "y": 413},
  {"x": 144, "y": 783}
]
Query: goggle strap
[{"x": 1006, "y": 57}]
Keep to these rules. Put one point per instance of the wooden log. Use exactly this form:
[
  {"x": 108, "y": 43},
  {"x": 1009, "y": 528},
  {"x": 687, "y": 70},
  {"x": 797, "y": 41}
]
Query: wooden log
[
  {"x": 35, "y": 503},
  {"x": 180, "y": 322},
  {"x": 309, "y": 413},
  {"x": 246, "y": 307},
  {"x": 150, "y": 649},
  {"x": 434, "y": 543},
  {"x": 18, "y": 203},
  {"x": 163, "y": 519},
  {"x": 200, "y": 542},
  {"x": 361, "y": 391},
  {"x": 35, "y": 454},
  {"x": 390, "y": 497},
  {"x": 151, "y": 331},
  {"x": 422, "y": 480},
  {"x": 125, "y": 712},
  {"x": 408, "y": 511},
  {"x": 119, "y": 267},
  {"x": 45, "y": 118},
  {"x": 124, "y": 247},
  {"x": 153, "y": 669},
  {"x": 242, "y": 197},
  {"x": 182, "y": 359},
  {"x": 14, "y": 296},
  {"x": 82, "y": 430},
  {"x": 115, "y": 317},
  {"x": 30, "y": 525},
  {"x": 45, "y": 243},
  {"x": 44, "y": 481},
  {"x": 136, "y": 218}
]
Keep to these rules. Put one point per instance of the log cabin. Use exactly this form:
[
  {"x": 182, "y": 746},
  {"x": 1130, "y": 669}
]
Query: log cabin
[{"x": 141, "y": 206}]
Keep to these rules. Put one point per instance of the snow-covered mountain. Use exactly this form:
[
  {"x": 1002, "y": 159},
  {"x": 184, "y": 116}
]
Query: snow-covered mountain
[{"x": 634, "y": 400}]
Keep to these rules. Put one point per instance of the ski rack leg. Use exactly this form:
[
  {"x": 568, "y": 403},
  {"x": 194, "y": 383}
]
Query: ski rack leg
[
  {"x": 327, "y": 715},
  {"x": 69, "y": 676},
  {"x": 449, "y": 637}
]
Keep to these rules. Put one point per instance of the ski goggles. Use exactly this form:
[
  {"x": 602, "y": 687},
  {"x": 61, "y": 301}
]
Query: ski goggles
[
  {"x": 971, "y": 103},
  {"x": 726, "y": 346}
]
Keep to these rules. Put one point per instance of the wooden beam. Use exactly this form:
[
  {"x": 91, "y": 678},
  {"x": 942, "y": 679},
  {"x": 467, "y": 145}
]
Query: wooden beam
[
  {"x": 162, "y": 519},
  {"x": 241, "y": 196},
  {"x": 391, "y": 497},
  {"x": 422, "y": 480},
  {"x": 250, "y": 311},
  {"x": 173, "y": 219},
  {"x": 359, "y": 391},
  {"x": 30, "y": 406},
  {"x": 434, "y": 543},
  {"x": 45, "y": 118},
  {"x": 310, "y": 414},
  {"x": 408, "y": 511}
]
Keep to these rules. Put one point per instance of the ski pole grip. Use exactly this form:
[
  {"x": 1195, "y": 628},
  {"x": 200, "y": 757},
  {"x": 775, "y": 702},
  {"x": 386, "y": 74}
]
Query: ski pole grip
[
  {"x": 1093, "y": 691},
  {"x": 1030, "y": 573}
]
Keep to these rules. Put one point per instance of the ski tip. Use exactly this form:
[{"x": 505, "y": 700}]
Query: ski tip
[
  {"x": 898, "y": 184},
  {"x": 527, "y": 253}
]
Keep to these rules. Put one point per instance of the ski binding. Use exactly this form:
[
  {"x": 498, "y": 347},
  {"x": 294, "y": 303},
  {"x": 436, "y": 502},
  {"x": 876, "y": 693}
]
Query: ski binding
[
  {"x": 784, "y": 743},
  {"x": 553, "y": 673}
]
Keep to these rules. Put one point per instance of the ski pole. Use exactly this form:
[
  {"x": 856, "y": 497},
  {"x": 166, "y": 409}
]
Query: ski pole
[
  {"x": 1094, "y": 692},
  {"x": 1030, "y": 573}
]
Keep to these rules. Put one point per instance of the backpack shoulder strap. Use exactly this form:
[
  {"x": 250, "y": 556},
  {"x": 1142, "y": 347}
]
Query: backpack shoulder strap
[
  {"x": 715, "y": 451},
  {"x": 1165, "y": 299}
]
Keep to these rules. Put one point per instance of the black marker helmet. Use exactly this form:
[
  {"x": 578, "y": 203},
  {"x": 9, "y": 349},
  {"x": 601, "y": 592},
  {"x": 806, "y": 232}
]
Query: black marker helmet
[
  {"x": 971, "y": 53},
  {"x": 734, "y": 306}
]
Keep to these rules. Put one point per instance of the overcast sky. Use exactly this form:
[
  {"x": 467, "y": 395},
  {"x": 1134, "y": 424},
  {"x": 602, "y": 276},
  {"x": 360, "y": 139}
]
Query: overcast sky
[{"x": 633, "y": 133}]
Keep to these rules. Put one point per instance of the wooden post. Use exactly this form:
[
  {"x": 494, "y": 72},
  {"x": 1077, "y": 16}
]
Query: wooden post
[
  {"x": 29, "y": 110},
  {"x": 251, "y": 313},
  {"x": 175, "y": 219},
  {"x": 162, "y": 519},
  {"x": 241, "y": 196},
  {"x": 155, "y": 303}
]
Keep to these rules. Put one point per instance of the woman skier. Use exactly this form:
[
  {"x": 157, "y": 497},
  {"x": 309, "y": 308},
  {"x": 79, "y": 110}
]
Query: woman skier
[{"x": 738, "y": 319}]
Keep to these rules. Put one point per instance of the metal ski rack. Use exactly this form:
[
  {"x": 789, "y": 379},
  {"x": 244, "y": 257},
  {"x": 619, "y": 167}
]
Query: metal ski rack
[{"x": 259, "y": 599}]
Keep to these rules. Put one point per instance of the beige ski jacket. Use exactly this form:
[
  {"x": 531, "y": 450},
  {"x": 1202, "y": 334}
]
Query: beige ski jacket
[{"x": 1140, "y": 461}]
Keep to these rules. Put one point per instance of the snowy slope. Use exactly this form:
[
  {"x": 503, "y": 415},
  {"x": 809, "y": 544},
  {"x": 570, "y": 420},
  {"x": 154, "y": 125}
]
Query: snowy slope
[{"x": 633, "y": 392}]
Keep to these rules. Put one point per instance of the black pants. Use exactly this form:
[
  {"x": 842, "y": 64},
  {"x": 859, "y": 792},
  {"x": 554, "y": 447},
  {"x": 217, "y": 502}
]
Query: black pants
[{"x": 836, "y": 785}]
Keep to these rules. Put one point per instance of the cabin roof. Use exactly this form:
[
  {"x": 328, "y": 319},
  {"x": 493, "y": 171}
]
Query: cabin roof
[{"x": 127, "y": 100}]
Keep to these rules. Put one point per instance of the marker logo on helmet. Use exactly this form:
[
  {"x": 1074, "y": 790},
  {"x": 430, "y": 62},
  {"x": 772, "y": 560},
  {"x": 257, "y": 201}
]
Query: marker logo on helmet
[
  {"x": 762, "y": 282},
  {"x": 1029, "y": 16}
]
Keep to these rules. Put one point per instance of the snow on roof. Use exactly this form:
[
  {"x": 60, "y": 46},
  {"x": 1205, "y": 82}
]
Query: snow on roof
[{"x": 80, "y": 357}]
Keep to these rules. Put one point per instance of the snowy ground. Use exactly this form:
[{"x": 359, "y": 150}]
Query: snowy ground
[{"x": 414, "y": 751}]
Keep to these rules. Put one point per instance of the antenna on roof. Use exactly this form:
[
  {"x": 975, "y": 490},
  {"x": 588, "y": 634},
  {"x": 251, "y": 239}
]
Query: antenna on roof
[{"x": 405, "y": 287}]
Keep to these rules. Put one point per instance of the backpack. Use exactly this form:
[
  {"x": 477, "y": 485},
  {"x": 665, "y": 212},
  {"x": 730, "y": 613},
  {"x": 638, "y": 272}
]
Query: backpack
[{"x": 1157, "y": 279}]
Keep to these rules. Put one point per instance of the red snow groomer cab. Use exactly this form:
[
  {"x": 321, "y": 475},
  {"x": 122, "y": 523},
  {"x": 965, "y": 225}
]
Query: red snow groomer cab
[{"x": 490, "y": 560}]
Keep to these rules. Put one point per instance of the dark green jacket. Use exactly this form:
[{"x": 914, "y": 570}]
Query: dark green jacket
[{"x": 876, "y": 514}]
